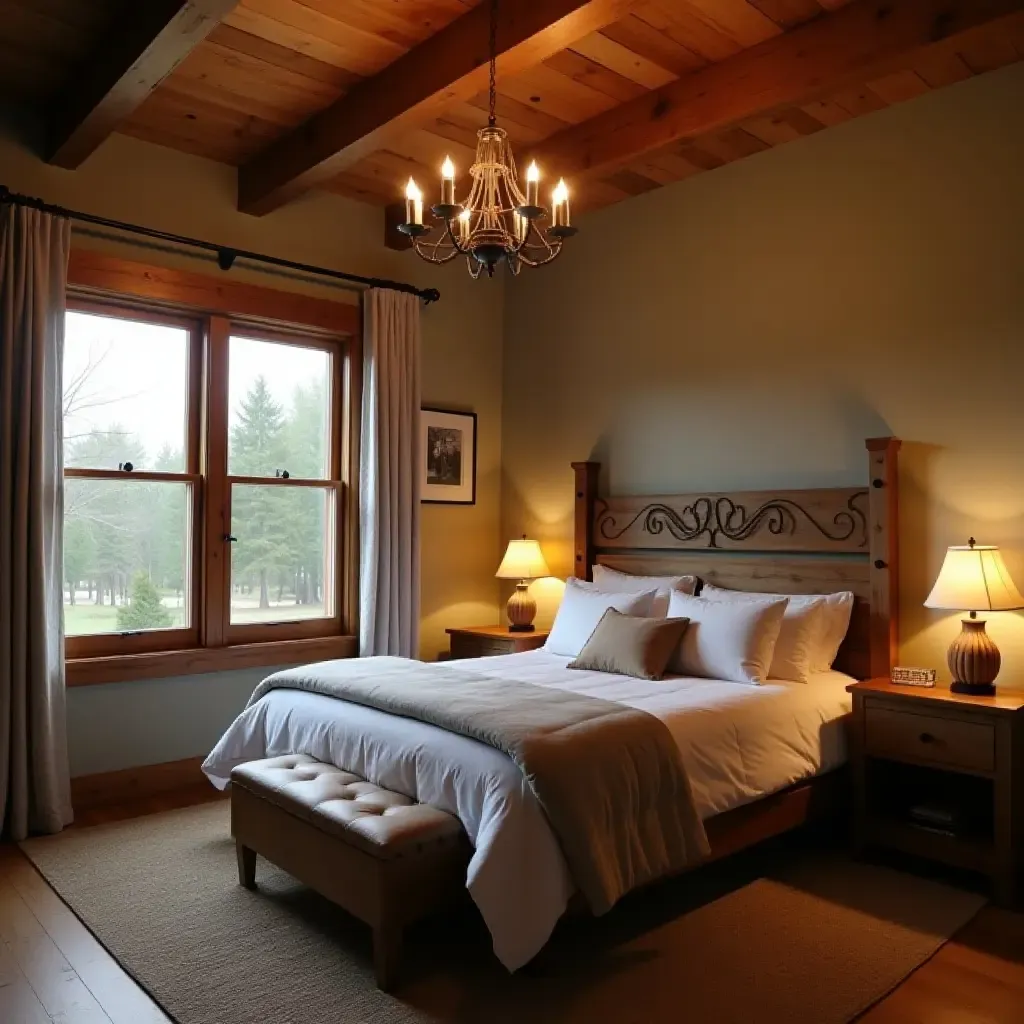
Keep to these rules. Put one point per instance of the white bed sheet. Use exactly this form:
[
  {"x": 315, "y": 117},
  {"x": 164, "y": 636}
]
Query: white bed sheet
[{"x": 738, "y": 743}]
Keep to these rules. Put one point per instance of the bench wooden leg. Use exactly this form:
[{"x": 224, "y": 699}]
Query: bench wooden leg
[
  {"x": 246, "y": 865},
  {"x": 387, "y": 955}
]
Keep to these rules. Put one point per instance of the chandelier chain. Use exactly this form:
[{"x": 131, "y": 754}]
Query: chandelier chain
[{"x": 492, "y": 85}]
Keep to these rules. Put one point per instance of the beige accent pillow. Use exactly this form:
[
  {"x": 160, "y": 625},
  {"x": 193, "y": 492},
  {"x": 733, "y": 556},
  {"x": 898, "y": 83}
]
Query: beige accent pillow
[{"x": 630, "y": 646}]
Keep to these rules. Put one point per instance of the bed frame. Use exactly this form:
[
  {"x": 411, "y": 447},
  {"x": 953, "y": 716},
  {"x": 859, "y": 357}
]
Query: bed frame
[{"x": 794, "y": 541}]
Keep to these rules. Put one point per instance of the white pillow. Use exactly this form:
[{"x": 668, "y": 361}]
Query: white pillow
[
  {"x": 800, "y": 642},
  {"x": 833, "y": 623},
  {"x": 731, "y": 640},
  {"x": 581, "y": 610},
  {"x": 615, "y": 582}
]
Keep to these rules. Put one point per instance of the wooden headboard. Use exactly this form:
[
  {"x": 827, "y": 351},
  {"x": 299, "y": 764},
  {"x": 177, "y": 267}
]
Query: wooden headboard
[{"x": 792, "y": 542}]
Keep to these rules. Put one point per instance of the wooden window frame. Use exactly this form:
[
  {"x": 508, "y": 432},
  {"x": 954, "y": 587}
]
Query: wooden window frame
[
  {"x": 216, "y": 307},
  {"x": 103, "y": 644}
]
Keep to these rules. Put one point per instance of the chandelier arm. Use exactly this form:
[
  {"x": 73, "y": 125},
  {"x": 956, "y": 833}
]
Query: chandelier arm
[
  {"x": 429, "y": 251},
  {"x": 459, "y": 248}
]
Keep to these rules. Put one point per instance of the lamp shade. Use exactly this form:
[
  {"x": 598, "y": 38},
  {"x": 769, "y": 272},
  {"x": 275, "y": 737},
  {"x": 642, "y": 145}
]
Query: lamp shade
[
  {"x": 523, "y": 561},
  {"x": 974, "y": 578}
]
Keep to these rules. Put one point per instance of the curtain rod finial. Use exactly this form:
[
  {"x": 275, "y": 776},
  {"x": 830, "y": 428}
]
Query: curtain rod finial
[{"x": 430, "y": 295}]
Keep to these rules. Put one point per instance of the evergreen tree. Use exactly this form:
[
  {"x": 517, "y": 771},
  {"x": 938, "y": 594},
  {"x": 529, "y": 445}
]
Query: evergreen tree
[
  {"x": 144, "y": 610},
  {"x": 259, "y": 518}
]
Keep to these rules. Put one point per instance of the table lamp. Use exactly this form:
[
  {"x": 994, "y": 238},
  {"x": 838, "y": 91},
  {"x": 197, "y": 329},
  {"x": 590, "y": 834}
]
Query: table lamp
[
  {"x": 523, "y": 561},
  {"x": 974, "y": 578}
]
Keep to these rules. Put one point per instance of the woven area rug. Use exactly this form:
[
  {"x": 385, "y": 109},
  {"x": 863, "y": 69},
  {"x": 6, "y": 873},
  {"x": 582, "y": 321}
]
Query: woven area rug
[{"x": 815, "y": 942}]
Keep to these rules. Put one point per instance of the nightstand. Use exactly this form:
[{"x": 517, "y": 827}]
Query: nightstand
[
  {"x": 941, "y": 775},
  {"x": 481, "y": 641}
]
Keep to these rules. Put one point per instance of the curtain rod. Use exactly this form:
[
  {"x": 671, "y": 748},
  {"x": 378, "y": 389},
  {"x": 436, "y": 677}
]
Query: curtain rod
[{"x": 226, "y": 254}]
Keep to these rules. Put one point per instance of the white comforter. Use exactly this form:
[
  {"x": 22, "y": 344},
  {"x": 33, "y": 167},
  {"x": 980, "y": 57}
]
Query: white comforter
[{"x": 738, "y": 743}]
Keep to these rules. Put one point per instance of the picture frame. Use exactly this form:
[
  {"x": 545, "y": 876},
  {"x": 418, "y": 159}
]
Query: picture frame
[{"x": 448, "y": 450}]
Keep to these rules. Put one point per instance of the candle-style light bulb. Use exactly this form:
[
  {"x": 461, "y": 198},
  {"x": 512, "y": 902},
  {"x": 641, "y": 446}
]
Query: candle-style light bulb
[
  {"x": 532, "y": 183},
  {"x": 560, "y": 205},
  {"x": 464, "y": 219},
  {"x": 447, "y": 182},
  {"x": 413, "y": 203}
]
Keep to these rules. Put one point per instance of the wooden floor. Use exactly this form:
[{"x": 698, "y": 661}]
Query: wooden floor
[{"x": 53, "y": 970}]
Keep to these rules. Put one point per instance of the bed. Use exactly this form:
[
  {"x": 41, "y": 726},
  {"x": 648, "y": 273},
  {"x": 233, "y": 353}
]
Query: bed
[{"x": 761, "y": 759}]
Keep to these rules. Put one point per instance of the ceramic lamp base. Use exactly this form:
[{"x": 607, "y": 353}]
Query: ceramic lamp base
[
  {"x": 521, "y": 610},
  {"x": 973, "y": 660}
]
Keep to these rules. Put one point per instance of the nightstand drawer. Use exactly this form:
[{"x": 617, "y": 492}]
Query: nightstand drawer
[{"x": 942, "y": 741}]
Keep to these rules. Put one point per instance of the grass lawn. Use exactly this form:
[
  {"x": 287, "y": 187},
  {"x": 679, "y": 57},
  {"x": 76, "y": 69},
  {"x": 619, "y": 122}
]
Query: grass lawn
[{"x": 86, "y": 618}]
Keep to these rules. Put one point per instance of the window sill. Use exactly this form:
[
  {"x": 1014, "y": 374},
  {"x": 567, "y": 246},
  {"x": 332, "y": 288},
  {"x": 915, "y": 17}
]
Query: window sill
[{"x": 126, "y": 668}]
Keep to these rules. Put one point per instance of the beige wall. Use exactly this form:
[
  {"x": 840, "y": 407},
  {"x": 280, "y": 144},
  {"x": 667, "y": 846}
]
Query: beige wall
[
  {"x": 750, "y": 327},
  {"x": 134, "y": 181}
]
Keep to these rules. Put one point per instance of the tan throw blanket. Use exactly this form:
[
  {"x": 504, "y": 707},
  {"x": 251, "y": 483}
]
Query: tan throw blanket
[{"x": 608, "y": 777}]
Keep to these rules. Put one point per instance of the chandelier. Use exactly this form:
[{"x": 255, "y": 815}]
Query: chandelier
[{"x": 496, "y": 221}]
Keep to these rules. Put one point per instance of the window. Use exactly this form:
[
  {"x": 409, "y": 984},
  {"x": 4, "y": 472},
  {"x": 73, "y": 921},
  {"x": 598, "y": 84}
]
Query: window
[
  {"x": 204, "y": 485},
  {"x": 131, "y": 482}
]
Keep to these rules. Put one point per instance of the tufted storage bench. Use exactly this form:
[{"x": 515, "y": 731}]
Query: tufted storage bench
[{"x": 383, "y": 857}]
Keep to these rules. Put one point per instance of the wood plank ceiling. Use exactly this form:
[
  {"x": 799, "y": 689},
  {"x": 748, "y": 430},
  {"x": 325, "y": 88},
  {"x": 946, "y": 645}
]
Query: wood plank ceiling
[{"x": 270, "y": 65}]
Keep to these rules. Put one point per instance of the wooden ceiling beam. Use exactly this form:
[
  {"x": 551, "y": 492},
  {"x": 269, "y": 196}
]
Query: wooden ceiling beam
[
  {"x": 147, "y": 44},
  {"x": 837, "y": 50},
  {"x": 448, "y": 68}
]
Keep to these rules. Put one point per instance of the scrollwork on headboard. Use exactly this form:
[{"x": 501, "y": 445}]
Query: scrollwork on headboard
[
  {"x": 709, "y": 517},
  {"x": 832, "y": 520},
  {"x": 774, "y": 541}
]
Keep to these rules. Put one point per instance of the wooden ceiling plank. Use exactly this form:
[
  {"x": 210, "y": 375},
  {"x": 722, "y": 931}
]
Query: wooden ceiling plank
[
  {"x": 941, "y": 68},
  {"x": 411, "y": 92},
  {"x": 632, "y": 182},
  {"x": 151, "y": 40},
  {"x": 827, "y": 112},
  {"x": 802, "y": 120},
  {"x": 773, "y": 130},
  {"x": 304, "y": 27},
  {"x": 555, "y": 94},
  {"x": 281, "y": 56},
  {"x": 527, "y": 115},
  {"x": 989, "y": 52},
  {"x": 406, "y": 24},
  {"x": 899, "y": 86},
  {"x": 170, "y": 118},
  {"x": 738, "y": 19},
  {"x": 733, "y": 144},
  {"x": 866, "y": 39},
  {"x": 859, "y": 100},
  {"x": 623, "y": 61},
  {"x": 697, "y": 34},
  {"x": 595, "y": 76},
  {"x": 237, "y": 82},
  {"x": 788, "y": 13},
  {"x": 658, "y": 47},
  {"x": 462, "y": 122}
]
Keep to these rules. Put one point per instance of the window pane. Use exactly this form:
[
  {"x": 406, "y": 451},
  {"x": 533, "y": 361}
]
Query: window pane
[
  {"x": 280, "y": 410},
  {"x": 280, "y": 559},
  {"x": 126, "y": 555},
  {"x": 125, "y": 393}
]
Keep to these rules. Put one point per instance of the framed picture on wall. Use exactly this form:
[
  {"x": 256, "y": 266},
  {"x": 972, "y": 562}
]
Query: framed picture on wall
[{"x": 449, "y": 457}]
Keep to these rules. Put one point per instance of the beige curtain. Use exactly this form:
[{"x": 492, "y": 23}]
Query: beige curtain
[
  {"x": 389, "y": 476},
  {"x": 34, "y": 784}
]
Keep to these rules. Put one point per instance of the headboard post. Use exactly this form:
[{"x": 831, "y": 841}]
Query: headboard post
[
  {"x": 583, "y": 529},
  {"x": 884, "y": 543}
]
